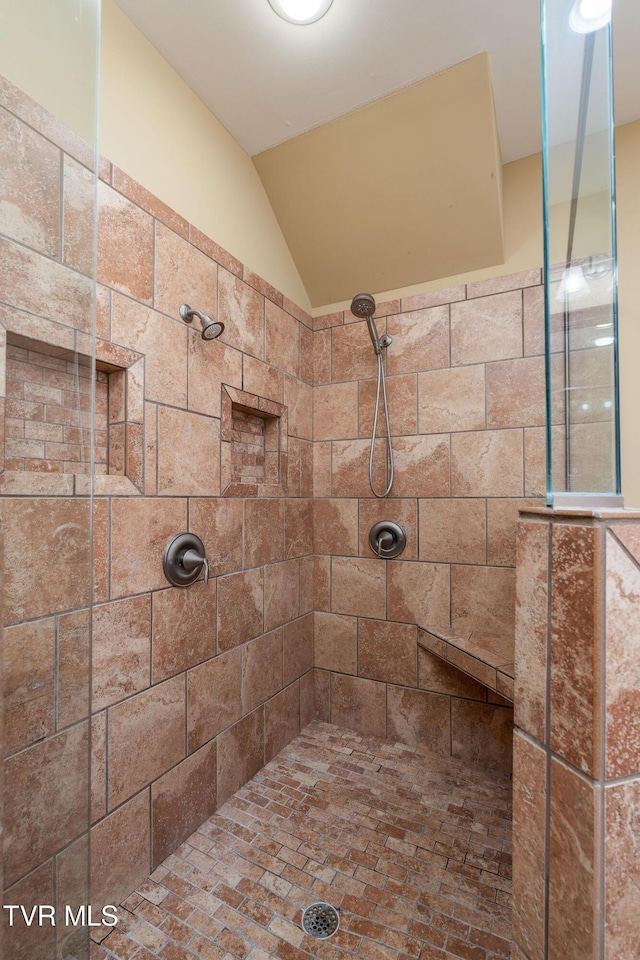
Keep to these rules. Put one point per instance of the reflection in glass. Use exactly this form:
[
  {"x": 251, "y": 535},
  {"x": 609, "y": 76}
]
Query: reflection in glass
[
  {"x": 50, "y": 450},
  {"x": 580, "y": 257}
]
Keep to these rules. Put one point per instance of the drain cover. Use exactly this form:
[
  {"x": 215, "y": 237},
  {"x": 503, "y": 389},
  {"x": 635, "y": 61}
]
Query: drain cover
[{"x": 320, "y": 920}]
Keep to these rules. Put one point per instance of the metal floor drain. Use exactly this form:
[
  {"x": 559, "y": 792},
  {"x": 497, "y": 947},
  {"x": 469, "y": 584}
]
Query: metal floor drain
[{"x": 320, "y": 920}]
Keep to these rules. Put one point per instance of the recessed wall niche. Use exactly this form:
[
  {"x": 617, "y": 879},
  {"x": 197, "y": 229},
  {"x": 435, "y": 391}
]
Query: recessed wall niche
[
  {"x": 47, "y": 414},
  {"x": 254, "y": 439}
]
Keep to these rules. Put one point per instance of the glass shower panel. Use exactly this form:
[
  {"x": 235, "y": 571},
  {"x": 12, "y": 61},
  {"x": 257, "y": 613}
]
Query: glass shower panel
[
  {"x": 53, "y": 404},
  {"x": 583, "y": 459}
]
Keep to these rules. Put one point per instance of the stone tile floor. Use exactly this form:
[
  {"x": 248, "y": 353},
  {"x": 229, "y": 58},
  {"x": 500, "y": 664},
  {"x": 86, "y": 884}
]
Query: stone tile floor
[{"x": 413, "y": 849}]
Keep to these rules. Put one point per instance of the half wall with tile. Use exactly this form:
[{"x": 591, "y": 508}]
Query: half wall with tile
[{"x": 577, "y": 739}]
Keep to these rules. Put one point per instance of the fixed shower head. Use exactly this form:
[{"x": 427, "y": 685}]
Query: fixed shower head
[
  {"x": 210, "y": 328},
  {"x": 363, "y": 306}
]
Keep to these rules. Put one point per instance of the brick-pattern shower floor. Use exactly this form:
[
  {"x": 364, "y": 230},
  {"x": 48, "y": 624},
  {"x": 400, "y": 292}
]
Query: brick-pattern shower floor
[{"x": 413, "y": 849}]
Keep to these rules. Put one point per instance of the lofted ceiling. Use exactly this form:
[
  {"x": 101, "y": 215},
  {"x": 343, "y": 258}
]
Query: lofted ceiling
[
  {"x": 376, "y": 211},
  {"x": 270, "y": 82}
]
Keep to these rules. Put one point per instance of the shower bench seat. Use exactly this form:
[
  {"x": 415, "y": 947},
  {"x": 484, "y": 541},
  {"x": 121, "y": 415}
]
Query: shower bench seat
[{"x": 489, "y": 659}]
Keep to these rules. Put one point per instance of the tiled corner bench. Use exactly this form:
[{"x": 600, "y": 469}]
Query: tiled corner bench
[{"x": 489, "y": 659}]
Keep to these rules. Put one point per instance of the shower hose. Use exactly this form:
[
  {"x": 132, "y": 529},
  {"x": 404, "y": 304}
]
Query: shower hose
[{"x": 381, "y": 380}]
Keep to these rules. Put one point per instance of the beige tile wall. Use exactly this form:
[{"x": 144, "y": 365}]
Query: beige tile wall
[
  {"x": 465, "y": 380},
  {"x": 192, "y": 690}
]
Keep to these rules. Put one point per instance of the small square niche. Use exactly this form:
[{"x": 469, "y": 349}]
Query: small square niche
[{"x": 253, "y": 445}]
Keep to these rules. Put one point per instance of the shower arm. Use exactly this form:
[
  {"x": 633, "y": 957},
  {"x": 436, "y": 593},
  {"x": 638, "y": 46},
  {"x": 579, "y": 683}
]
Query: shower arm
[{"x": 188, "y": 313}]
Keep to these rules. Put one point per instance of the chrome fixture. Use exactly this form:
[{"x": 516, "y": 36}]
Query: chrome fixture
[
  {"x": 300, "y": 11},
  {"x": 387, "y": 539},
  {"x": 320, "y": 920},
  {"x": 184, "y": 559},
  {"x": 363, "y": 306},
  {"x": 210, "y": 328}
]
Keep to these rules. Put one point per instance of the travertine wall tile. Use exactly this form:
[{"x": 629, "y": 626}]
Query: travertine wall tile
[
  {"x": 529, "y": 827},
  {"x": 352, "y": 357},
  {"x": 182, "y": 274},
  {"x": 240, "y": 608},
  {"x": 167, "y": 694},
  {"x": 125, "y": 245},
  {"x": 387, "y": 651},
  {"x": 34, "y": 943},
  {"x": 181, "y": 800},
  {"x": 281, "y": 720},
  {"x": 576, "y": 625},
  {"x": 487, "y": 464},
  {"x": 623, "y": 662},
  {"x": 419, "y": 718},
  {"x": 452, "y": 399},
  {"x": 532, "y": 597},
  {"x": 418, "y": 592},
  {"x": 335, "y": 411},
  {"x": 183, "y": 629},
  {"x": 240, "y": 753},
  {"x": 335, "y": 527},
  {"x": 482, "y": 733},
  {"x": 453, "y": 531},
  {"x": 198, "y": 473},
  {"x": 487, "y": 328},
  {"x": 262, "y": 668},
  {"x": 263, "y": 532},
  {"x": 282, "y": 339},
  {"x": 136, "y": 565},
  {"x": 622, "y": 871},
  {"x": 358, "y": 587},
  {"x": 38, "y": 820},
  {"x": 29, "y": 682},
  {"x": 120, "y": 650},
  {"x": 420, "y": 340},
  {"x": 573, "y": 864},
  {"x": 359, "y": 704},
  {"x": 281, "y": 593},
  {"x": 516, "y": 393},
  {"x": 30, "y": 192},
  {"x": 120, "y": 850},
  {"x": 567, "y": 566},
  {"x": 137, "y": 756},
  {"x": 335, "y": 642},
  {"x": 207, "y": 716}
]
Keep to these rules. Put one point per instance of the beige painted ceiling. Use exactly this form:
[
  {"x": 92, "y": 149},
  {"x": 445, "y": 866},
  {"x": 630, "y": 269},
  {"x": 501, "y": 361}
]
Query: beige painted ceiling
[
  {"x": 403, "y": 190},
  {"x": 406, "y": 188}
]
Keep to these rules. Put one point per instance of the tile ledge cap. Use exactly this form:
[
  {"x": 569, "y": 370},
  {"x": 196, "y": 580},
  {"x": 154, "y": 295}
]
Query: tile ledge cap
[{"x": 598, "y": 513}]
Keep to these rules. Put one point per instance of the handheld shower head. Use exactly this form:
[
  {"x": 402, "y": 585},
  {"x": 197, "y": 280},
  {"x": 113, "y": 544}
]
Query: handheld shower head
[
  {"x": 210, "y": 328},
  {"x": 363, "y": 306}
]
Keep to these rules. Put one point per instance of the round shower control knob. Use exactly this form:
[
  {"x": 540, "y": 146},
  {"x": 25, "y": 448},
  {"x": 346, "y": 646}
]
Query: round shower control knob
[
  {"x": 184, "y": 559},
  {"x": 387, "y": 539}
]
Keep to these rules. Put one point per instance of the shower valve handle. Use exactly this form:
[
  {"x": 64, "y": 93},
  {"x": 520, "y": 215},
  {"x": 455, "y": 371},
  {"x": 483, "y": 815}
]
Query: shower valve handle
[
  {"x": 387, "y": 539},
  {"x": 385, "y": 542},
  {"x": 191, "y": 561}
]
